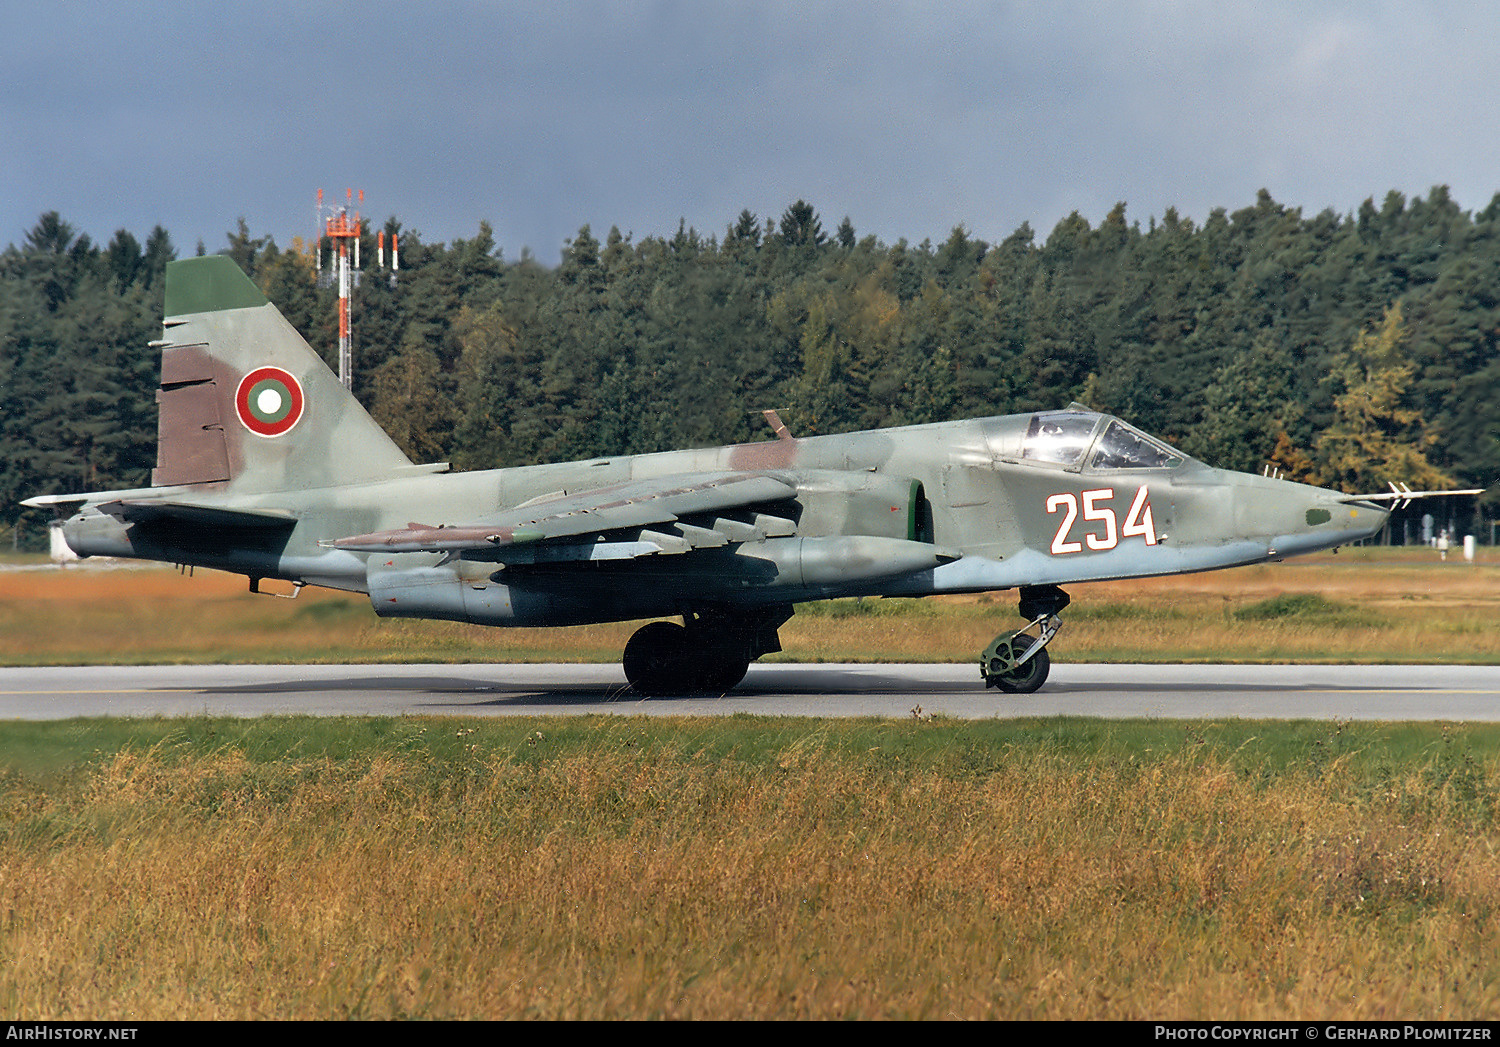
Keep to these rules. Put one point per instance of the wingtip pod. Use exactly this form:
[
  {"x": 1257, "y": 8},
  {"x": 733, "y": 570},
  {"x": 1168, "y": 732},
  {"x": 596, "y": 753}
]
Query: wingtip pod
[{"x": 209, "y": 284}]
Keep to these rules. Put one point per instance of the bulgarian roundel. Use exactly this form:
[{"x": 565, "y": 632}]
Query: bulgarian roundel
[{"x": 269, "y": 401}]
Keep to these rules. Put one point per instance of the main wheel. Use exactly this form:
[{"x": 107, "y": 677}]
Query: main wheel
[
  {"x": 656, "y": 659},
  {"x": 719, "y": 670},
  {"x": 1028, "y": 676}
]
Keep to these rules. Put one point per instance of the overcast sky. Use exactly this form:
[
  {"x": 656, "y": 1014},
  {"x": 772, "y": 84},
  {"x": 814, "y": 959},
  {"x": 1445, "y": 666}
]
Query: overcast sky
[{"x": 909, "y": 118}]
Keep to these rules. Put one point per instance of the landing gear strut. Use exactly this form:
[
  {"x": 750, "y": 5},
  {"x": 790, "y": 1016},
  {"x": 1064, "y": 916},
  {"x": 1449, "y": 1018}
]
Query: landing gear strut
[
  {"x": 708, "y": 654},
  {"x": 1017, "y": 662}
]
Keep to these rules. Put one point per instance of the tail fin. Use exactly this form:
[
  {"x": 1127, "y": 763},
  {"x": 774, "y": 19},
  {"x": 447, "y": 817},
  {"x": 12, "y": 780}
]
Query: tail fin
[{"x": 244, "y": 398}]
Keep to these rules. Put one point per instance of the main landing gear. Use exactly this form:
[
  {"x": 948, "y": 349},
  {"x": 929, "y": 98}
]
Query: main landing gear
[
  {"x": 1017, "y": 662},
  {"x": 708, "y": 654}
]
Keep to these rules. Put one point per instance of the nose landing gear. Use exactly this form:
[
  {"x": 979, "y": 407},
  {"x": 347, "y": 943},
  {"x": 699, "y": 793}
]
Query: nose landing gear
[{"x": 1017, "y": 662}]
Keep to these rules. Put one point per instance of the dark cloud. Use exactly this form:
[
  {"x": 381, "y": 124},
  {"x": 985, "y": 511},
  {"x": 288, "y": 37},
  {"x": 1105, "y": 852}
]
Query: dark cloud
[{"x": 908, "y": 118}]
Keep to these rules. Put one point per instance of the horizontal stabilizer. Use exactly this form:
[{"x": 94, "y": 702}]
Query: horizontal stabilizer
[
  {"x": 150, "y": 511},
  {"x": 56, "y": 502}
]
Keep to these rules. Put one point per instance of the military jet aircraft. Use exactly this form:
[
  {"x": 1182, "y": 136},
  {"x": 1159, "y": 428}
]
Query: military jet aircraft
[{"x": 268, "y": 467}]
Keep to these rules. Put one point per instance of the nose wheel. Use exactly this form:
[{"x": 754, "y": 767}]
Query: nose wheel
[
  {"x": 1017, "y": 662},
  {"x": 1013, "y": 673}
]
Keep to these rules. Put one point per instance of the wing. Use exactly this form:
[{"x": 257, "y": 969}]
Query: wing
[{"x": 589, "y": 525}]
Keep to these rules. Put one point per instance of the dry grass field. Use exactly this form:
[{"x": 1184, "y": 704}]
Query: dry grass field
[
  {"x": 621, "y": 868},
  {"x": 1376, "y": 605}
]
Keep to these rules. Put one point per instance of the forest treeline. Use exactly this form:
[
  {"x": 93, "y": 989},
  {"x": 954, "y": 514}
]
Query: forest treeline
[{"x": 1348, "y": 349}]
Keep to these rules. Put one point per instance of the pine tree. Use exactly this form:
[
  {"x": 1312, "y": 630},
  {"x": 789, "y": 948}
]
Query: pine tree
[{"x": 1376, "y": 437}]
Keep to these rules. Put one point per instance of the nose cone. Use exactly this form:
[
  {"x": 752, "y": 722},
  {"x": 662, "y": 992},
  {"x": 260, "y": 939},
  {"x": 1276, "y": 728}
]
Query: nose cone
[{"x": 1295, "y": 518}]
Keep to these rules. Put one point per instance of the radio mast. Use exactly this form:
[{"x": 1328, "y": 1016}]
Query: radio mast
[{"x": 341, "y": 228}]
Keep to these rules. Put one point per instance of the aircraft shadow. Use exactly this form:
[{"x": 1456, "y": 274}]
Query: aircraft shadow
[{"x": 467, "y": 692}]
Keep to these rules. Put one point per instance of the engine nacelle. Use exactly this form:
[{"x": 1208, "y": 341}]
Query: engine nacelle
[{"x": 774, "y": 571}]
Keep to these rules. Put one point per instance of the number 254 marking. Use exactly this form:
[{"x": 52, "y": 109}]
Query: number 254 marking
[{"x": 1138, "y": 522}]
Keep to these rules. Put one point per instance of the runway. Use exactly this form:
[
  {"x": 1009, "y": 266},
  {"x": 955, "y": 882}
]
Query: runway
[{"x": 1281, "y": 692}]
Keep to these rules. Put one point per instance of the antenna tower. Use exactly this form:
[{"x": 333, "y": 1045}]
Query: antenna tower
[{"x": 341, "y": 229}]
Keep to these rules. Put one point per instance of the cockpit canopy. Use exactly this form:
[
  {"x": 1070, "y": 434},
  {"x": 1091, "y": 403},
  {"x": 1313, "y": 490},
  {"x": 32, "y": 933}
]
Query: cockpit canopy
[{"x": 1077, "y": 437}]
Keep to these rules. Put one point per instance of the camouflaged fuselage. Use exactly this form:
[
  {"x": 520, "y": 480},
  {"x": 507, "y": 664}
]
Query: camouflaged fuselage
[
  {"x": 961, "y": 487},
  {"x": 269, "y": 468}
]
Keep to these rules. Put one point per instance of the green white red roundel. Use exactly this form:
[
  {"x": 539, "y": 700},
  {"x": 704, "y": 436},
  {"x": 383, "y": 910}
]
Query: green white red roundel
[{"x": 269, "y": 401}]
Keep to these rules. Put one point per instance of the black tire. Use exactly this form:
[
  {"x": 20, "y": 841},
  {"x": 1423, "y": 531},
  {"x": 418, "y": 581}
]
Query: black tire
[
  {"x": 1026, "y": 677},
  {"x": 656, "y": 659},
  {"x": 719, "y": 671}
]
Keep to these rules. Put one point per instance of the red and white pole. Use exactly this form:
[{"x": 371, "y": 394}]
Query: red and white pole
[{"x": 346, "y": 353}]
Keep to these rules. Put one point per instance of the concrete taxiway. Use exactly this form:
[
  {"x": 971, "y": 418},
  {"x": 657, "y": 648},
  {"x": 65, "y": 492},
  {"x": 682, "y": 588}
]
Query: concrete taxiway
[{"x": 1320, "y": 692}]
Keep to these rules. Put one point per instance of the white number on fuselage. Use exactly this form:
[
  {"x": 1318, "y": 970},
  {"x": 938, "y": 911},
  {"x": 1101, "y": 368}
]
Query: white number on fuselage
[{"x": 1106, "y": 531}]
